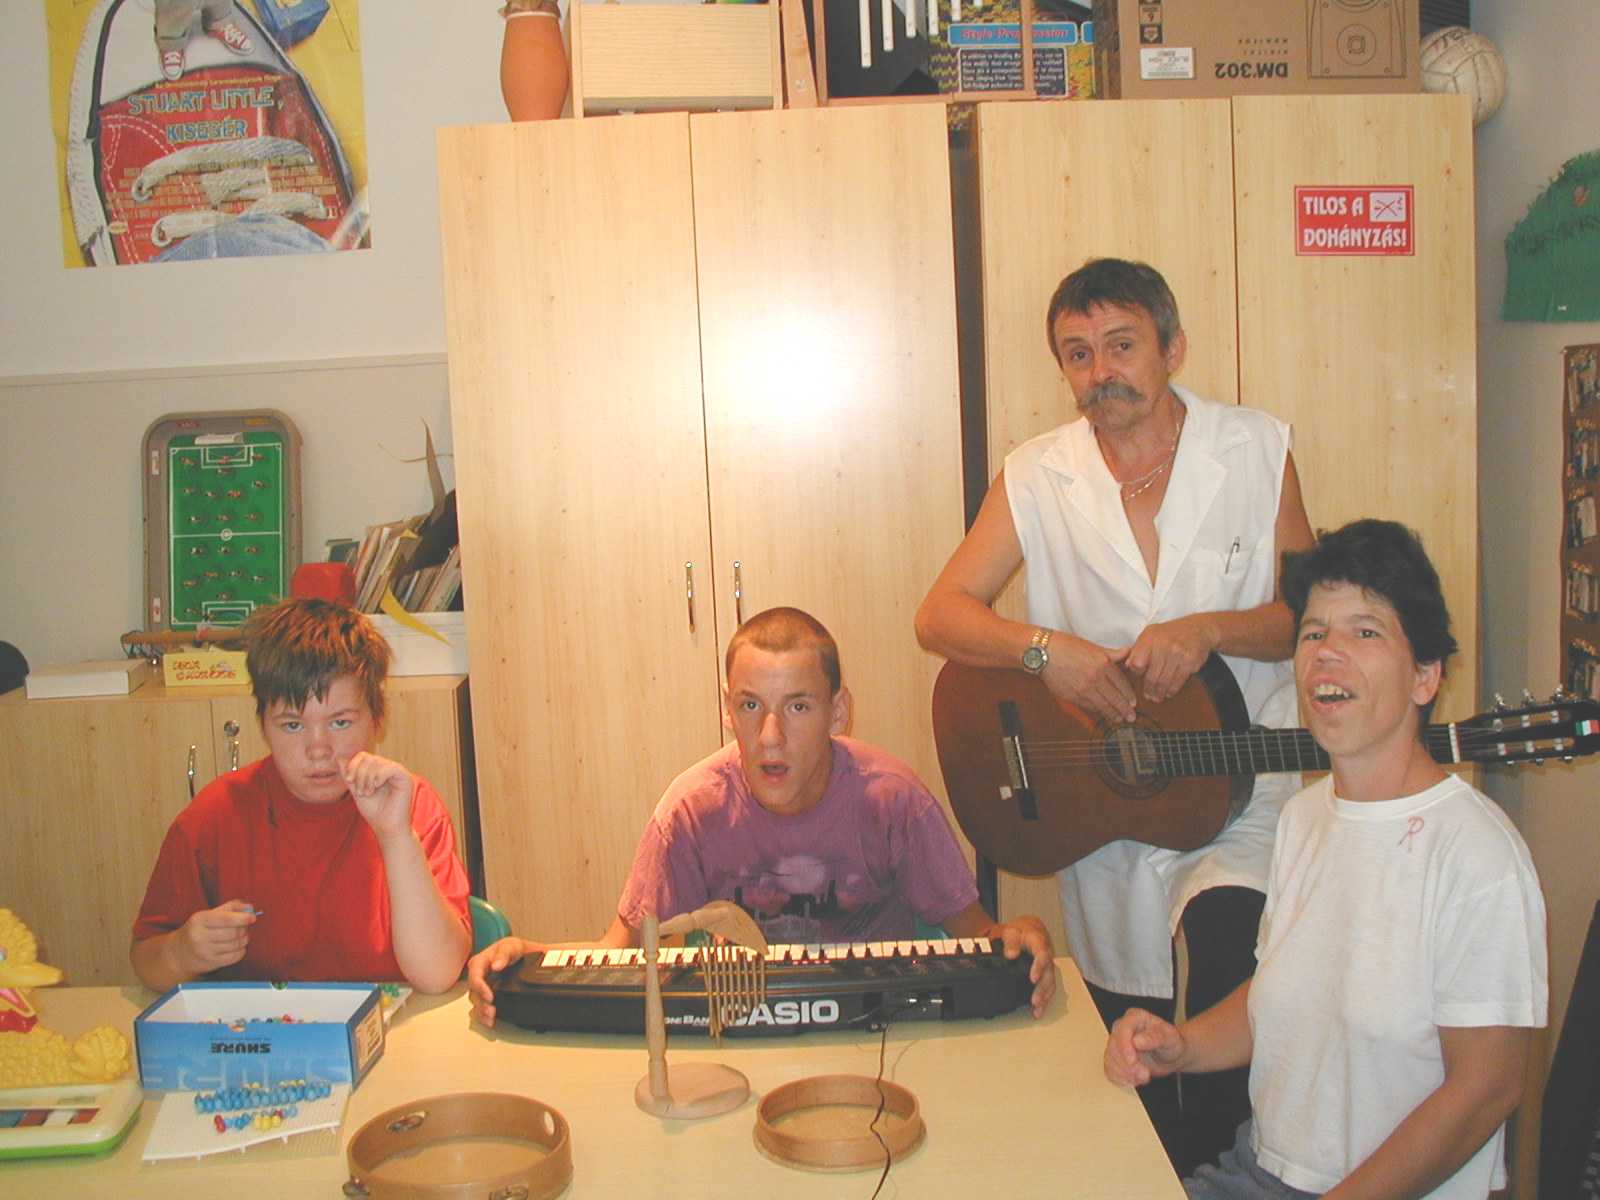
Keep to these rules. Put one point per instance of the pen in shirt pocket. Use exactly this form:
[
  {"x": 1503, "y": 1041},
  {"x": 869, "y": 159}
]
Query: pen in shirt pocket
[{"x": 1232, "y": 550}]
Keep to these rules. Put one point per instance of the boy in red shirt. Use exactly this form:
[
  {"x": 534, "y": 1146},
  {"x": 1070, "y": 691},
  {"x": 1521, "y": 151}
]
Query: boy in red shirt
[{"x": 322, "y": 861}]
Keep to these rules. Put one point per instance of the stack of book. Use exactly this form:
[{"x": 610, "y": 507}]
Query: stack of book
[
  {"x": 430, "y": 589},
  {"x": 391, "y": 559}
]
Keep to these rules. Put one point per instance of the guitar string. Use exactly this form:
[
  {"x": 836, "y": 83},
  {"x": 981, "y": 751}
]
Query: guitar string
[
  {"x": 1240, "y": 744},
  {"x": 1436, "y": 735},
  {"x": 1240, "y": 749}
]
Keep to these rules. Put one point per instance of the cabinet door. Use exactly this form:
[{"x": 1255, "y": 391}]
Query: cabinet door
[
  {"x": 1058, "y": 184},
  {"x": 1371, "y": 358},
  {"x": 1061, "y": 183},
  {"x": 580, "y": 457},
  {"x": 428, "y": 714},
  {"x": 90, "y": 787},
  {"x": 235, "y": 732},
  {"x": 828, "y": 344}
]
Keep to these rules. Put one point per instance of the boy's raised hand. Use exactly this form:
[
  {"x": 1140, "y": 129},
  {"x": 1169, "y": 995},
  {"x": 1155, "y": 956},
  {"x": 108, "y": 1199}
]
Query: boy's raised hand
[
  {"x": 213, "y": 938},
  {"x": 382, "y": 790}
]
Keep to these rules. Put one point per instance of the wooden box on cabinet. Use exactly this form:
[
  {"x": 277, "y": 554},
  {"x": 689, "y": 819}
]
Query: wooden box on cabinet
[
  {"x": 654, "y": 57},
  {"x": 90, "y": 786}
]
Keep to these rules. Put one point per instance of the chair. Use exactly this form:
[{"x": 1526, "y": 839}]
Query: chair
[
  {"x": 1569, "y": 1136},
  {"x": 489, "y": 924},
  {"x": 13, "y": 668}
]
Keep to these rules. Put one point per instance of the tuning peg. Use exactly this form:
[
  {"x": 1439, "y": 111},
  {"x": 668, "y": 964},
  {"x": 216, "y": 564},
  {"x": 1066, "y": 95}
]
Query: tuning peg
[
  {"x": 1500, "y": 704},
  {"x": 1559, "y": 695},
  {"x": 1527, "y": 697}
]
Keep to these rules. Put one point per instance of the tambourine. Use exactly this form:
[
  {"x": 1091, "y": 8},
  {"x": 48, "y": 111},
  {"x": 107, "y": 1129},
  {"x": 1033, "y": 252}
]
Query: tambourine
[
  {"x": 479, "y": 1145},
  {"x": 846, "y": 1150}
]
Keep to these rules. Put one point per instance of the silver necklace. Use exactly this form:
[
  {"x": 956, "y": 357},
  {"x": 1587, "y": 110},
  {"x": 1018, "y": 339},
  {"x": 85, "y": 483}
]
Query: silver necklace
[{"x": 1146, "y": 481}]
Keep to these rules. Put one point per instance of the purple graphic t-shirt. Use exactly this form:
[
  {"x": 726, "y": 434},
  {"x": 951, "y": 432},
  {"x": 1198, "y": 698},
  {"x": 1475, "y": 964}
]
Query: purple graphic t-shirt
[{"x": 873, "y": 854}]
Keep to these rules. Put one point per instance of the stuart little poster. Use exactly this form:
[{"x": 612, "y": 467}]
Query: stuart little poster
[{"x": 194, "y": 129}]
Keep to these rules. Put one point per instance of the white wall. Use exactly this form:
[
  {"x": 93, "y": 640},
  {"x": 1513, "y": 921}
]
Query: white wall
[
  {"x": 90, "y": 357},
  {"x": 1548, "y": 117},
  {"x": 421, "y": 67}
]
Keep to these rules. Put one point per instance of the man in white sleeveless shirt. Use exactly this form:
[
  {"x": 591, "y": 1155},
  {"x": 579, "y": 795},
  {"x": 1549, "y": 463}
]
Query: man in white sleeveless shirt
[{"x": 1149, "y": 531}]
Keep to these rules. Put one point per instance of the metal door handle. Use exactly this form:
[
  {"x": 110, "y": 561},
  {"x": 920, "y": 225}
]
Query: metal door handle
[
  {"x": 231, "y": 728},
  {"x": 738, "y": 594},
  {"x": 688, "y": 588},
  {"x": 193, "y": 750}
]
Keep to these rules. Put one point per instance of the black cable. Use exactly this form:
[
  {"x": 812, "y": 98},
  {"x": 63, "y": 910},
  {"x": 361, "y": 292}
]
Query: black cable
[{"x": 883, "y": 1098}]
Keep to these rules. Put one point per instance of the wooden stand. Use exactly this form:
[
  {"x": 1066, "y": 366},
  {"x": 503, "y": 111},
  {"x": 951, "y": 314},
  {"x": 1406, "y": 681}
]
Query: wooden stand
[{"x": 694, "y": 1090}]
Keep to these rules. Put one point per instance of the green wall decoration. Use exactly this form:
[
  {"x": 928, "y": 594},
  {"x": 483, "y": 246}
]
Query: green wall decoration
[{"x": 1553, "y": 255}]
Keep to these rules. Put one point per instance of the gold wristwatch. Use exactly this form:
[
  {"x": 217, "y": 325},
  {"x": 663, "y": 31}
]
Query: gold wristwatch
[{"x": 1037, "y": 656}]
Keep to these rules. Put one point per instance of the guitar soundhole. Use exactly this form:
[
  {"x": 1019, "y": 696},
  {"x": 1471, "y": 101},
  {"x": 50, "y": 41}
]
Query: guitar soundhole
[{"x": 1130, "y": 759}]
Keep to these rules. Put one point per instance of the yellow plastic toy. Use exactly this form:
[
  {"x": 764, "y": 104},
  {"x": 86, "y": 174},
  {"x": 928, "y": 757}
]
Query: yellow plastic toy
[{"x": 30, "y": 1054}]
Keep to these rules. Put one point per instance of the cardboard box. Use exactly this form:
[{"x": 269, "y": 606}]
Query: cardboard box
[
  {"x": 204, "y": 1036},
  {"x": 417, "y": 653},
  {"x": 103, "y": 677},
  {"x": 205, "y": 667},
  {"x": 1187, "y": 49}
]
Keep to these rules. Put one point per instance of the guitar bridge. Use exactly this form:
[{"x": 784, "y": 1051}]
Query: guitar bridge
[{"x": 1016, "y": 765}]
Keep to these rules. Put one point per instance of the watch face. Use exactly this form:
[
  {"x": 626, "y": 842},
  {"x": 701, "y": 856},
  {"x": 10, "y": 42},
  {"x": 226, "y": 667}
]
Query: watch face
[{"x": 1033, "y": 659}]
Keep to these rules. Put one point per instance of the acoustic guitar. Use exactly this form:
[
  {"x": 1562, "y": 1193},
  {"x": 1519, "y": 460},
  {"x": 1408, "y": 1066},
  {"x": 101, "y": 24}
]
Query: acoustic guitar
[{"x": 1037, "y": 783}]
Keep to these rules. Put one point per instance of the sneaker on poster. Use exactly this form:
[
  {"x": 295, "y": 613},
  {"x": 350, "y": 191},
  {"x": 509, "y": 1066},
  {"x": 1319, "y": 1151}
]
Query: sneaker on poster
[
  {"x": 172, "y": 64},
  {"x": 232, "y": 36}
]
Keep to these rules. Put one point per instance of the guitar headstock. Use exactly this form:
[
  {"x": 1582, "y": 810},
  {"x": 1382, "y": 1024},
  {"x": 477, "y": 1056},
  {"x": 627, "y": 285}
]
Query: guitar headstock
[{"x": 1562, "y": 727}]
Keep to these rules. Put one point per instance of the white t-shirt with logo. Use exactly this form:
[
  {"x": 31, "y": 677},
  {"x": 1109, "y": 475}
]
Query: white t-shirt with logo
[{"x": 1384, "y": 921}]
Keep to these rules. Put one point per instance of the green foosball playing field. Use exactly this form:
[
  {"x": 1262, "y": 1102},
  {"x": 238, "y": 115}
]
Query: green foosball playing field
[{"x": 222, "y": 519}]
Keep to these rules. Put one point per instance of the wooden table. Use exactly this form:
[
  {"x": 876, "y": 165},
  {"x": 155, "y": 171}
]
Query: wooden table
[{"x": 1013, "y": 1107}]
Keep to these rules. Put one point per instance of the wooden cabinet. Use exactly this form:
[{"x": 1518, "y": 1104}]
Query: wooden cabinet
[
  {"x": 90, "y": 785},
  {"x": 699, "y": 366},
  {"x": 1370, "y": 358}
]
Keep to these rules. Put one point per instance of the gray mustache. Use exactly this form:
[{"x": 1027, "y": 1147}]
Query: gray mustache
[{"x": 1111, "y": 389}]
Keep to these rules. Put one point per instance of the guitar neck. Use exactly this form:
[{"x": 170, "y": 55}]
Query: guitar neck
[{"x": 1267, "y": 751}]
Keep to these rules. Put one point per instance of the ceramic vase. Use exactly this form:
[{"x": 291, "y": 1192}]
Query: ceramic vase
[{"x": 533, "y": 66}]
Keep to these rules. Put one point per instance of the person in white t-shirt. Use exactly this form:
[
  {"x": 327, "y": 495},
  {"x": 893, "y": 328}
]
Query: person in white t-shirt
[{"x": 1401, "y": 959}]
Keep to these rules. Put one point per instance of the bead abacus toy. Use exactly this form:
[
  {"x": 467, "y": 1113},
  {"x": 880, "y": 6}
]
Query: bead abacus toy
[
  {"x": 261, "y": 1096},
  {"x": 258, "y": 1106},
  {"x": 265, "y": 1119}
]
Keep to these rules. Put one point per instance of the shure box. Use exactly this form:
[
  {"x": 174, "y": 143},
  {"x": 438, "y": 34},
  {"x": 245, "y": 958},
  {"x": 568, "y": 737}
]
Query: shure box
[
  {"x": 204, "y": 1036},
  {"x": 1187, "y": 49}
]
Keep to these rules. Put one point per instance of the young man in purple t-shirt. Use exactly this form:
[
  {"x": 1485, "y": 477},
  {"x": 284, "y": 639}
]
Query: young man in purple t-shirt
[{"x": 819, "y": 837}]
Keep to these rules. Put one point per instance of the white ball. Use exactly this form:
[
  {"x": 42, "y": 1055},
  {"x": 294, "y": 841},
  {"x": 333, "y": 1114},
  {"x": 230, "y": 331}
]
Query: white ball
[{"x": 1457, "y": 60}]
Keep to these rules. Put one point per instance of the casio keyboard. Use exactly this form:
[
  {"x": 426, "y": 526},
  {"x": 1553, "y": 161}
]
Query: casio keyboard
[{"x": 859, "y": 986}]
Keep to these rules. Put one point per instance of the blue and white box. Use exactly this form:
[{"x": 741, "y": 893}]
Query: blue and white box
[{"x": 204, "y": 1036}]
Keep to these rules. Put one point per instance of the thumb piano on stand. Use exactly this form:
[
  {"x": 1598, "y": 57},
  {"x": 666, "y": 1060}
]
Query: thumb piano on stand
[{"x": 846, "y": 986}]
